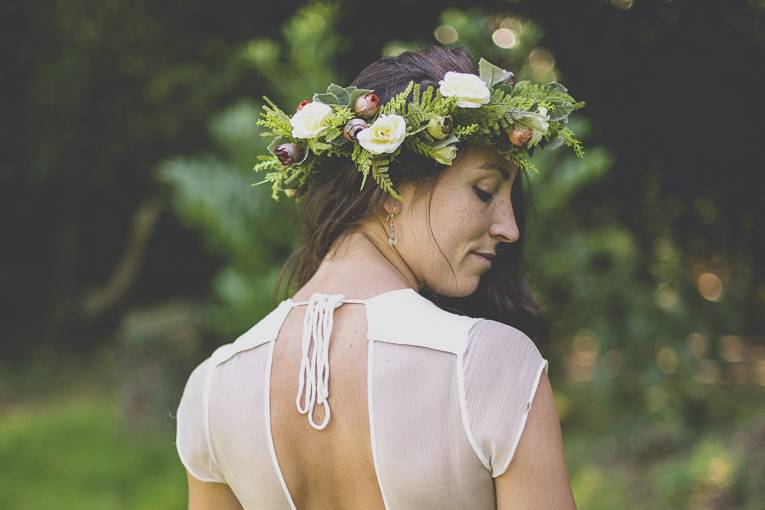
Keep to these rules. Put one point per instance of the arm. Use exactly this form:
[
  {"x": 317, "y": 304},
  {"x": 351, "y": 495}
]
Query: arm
[
  {"x": 206, "y": 487},
  {"x": 210, "y": 495},
  {"x": 537, "y": 477}
]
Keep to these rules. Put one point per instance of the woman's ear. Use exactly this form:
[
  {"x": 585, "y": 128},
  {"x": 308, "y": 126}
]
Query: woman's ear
[{"x": 391, "y": 206}]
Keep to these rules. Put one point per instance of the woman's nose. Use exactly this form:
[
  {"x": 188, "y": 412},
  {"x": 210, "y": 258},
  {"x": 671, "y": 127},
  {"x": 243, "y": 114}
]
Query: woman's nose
[{"x": 504, "y": 226}]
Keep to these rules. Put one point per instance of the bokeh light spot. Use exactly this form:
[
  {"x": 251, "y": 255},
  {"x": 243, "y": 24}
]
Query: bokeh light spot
[
  {"x": 623, "y": 4},
  {"x": 666, "y": 359},
  {"x": 584, "y": 352},
  {"x": 446, "y": 34},
  {"x": 542, "y": 60},
  {"x": 732, "y": 348},
  {"x": 719, "y": 471},
  {"x": 512, "y": 23},
  {"x": 504, "y": 38},
  {"x": 666, "y": 298},
  {"x": 697, "y": 344},
  {"x": 710, "y": 287}
]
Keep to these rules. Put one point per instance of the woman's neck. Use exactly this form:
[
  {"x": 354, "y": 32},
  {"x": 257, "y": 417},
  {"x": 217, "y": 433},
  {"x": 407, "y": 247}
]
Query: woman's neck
[{"x": 360, "y": 265}]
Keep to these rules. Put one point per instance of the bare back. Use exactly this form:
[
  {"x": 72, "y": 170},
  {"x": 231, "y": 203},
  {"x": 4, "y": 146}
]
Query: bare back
[{"x": 333, "y": 467}]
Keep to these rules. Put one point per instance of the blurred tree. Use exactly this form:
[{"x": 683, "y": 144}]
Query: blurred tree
[
  {"x": 649, "y": 255},
  {"x": 212, "y": 193}
]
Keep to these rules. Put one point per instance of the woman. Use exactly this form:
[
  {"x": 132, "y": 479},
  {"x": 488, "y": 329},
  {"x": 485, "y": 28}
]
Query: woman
[{"x": 428, "y": 404}]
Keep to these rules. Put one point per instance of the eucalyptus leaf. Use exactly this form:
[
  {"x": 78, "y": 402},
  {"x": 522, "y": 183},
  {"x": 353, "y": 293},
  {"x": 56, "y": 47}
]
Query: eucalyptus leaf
[
  {"x": 326, "y": 98},
  {"x": 515, "y": 115},
  {"x": 343, "y": 96},
  {"x": 560, "y": 112},
  {"x": 554, "y": 86},
  {"x": 491, "y": 74}
]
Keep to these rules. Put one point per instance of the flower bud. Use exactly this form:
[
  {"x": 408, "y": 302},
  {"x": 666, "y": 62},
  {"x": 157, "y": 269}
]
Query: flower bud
[
  {"x": 301, "y": 104},
  {"x": 352, "y": 129},
  {"x": 439, "y": 127},
  {"x": 288, "y": 153},
  {"x": 290, "y": 192},
  {"x": 520, "y": 136},
  {"x": 367, "y": 105}
]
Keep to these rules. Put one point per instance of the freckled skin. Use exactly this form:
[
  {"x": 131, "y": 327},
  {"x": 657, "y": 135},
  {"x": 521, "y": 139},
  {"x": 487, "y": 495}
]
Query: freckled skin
[
  {"x": 362, "y": 263},
  {"x": 461, "y": 222}
]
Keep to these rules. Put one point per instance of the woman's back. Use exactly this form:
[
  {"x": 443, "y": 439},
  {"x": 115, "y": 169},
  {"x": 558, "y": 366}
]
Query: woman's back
[{"x": 426, "y": 406}]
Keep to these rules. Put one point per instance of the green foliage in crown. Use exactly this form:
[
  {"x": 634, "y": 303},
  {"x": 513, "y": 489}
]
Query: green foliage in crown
[{"x": 347, "y": 122}]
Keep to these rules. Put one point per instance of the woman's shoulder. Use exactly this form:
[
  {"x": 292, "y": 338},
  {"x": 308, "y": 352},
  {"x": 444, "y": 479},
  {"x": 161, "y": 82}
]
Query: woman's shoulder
[
  {"x": 409, "y": 317},
  {"x": 490, "y": 334},
  {"x": 263, "y": 331},
  {"x": 499, "y": 350},
  {"x": 502, "y": 368}
]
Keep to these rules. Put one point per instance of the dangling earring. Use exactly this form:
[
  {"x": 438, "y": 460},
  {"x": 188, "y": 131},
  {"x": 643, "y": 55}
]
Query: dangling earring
[{"x": 392, "y": 233}]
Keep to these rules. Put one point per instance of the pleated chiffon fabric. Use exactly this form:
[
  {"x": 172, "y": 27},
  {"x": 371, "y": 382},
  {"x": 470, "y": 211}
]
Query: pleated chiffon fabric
[{"x": 448, "y": 397}]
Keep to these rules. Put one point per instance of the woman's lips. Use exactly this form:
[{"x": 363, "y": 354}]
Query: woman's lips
[{"x": 483, "y": 258}]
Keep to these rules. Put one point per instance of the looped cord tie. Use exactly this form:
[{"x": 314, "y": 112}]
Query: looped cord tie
[{"x": 314, "y": 371}]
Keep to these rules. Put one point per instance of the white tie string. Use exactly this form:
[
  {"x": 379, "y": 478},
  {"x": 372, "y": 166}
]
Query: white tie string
[{"x": 317, "y": 325}]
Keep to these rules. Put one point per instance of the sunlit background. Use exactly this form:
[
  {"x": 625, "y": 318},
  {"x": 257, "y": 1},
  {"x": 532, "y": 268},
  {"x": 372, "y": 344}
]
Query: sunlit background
[{"x": 134, "y": 243}]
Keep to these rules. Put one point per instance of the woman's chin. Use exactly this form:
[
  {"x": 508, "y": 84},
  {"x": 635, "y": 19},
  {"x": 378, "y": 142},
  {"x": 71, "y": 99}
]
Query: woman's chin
[{"x": 466, "y": 286}]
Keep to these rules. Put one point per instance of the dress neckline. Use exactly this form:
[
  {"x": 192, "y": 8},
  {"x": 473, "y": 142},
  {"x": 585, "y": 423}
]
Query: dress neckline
[
  {"x": 313, "y": 378},
  {"x": 341, "y": 297}
]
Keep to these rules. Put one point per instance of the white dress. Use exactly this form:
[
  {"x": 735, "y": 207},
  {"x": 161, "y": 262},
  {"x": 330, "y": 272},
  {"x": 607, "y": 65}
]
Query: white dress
[{"x": 448, "y": 396}]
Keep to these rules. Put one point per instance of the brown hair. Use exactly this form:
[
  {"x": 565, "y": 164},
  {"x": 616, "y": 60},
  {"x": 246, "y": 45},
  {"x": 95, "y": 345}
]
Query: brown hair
[{"x": 332, "y": 205}]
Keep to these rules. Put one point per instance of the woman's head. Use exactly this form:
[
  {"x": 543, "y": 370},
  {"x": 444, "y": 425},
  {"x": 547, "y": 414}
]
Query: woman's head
[
  {"x": 448, "y": 213},
  {"x": 467, "y": 211}
]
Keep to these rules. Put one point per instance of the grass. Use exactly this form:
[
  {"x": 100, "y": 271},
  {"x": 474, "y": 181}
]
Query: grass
[{"x": 76, "y": 454}]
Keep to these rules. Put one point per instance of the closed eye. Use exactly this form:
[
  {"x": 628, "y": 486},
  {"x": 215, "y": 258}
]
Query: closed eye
[{"x": 485, "y": 196}]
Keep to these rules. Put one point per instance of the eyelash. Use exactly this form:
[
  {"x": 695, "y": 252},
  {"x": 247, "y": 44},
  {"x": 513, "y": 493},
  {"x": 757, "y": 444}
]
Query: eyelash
[{"x": 484, "y": 196}]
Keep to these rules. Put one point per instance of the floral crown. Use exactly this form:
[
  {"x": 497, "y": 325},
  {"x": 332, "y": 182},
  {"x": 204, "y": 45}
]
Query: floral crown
[{"x": 349, "y": 122}]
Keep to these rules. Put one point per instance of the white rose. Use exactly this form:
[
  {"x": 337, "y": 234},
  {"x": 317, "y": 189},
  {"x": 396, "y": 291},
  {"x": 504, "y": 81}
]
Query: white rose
[
  {"x": 471, "y": 90},
  {"x": 384, "y": 135},
  {"x": 310, "y": 120},
  {"x": 538, "y": 123}
]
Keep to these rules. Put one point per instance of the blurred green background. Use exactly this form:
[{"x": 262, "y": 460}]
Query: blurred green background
[{"x": 134, "y": 243}]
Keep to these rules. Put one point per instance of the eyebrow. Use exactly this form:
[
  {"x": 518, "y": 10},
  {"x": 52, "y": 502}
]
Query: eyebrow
[{"x": 494, "y": 166}]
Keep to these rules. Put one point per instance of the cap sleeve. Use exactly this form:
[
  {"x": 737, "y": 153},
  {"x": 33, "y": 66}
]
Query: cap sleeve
[
  {"x": 192, "y": 433},
  {"x": 502, "y": 368}
]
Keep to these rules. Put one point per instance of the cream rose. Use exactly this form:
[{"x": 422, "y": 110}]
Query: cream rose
[
  {"x": 538, "y": 122},
  {"x": 310, "y": 120},
  {"x": 384, "y": 135},
  {"x": 470, "y": 90}
]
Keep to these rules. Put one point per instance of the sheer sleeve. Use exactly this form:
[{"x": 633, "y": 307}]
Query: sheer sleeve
[
  {"x": 502, "y": 368},
  {"x": 192, "y": 434}
]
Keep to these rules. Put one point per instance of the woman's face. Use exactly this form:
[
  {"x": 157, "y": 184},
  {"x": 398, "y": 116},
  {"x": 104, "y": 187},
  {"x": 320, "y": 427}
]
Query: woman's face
[{"x": 471, "y": 213}]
